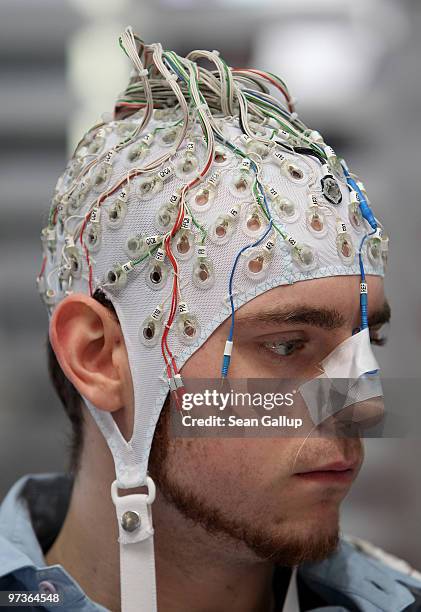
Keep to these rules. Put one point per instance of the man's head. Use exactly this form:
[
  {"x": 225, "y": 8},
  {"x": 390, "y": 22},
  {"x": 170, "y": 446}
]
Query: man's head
[
  {"x": 222, "y": 204},
  {"x": 247, "y": 491}
]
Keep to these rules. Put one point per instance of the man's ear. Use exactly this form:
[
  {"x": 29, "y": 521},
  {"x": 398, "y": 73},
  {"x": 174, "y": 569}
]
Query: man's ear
[{"x": 89, "y": 345}]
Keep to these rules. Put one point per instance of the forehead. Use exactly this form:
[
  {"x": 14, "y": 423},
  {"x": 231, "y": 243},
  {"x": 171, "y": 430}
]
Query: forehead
[{"x": 339, "y": 292}]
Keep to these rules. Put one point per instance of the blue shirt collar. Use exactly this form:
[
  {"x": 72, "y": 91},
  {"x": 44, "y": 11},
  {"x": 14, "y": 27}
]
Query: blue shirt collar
[
  {"x": 20, "y": 546},
  {"x": 21, "y": 554},
  {"x": 358, "y": 579}
]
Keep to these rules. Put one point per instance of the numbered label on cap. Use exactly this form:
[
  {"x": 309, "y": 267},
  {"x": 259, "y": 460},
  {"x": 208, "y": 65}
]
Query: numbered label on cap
[
  {"x": 151, "y": 240},
  {"x": 160, "y": 255},
  {"x": 201, "y": 251},
  {"x": 186, "y": 222},
  {"x": 157, "y": 313},
  {"x": 183, "y": 308},
  {"x": 123, "y": 195},
  {"x": 273, "y": 193},
  {"x": 109, "y": 156},
  {"x": 329, "y": 152},
  {"x": 234, "y": 211},
  {"x": 175, "y": 198},
  {"x": 278, "y": 156},
  {"x": 269, "y": 244},
  {"x": 341, "y": 227},
  {"x": 166, "y": 172},
  {"x": 148, "y": 138},
  {"x": 128, "y": 266},
  {"x": 94, "y": 216},
  {"x": 355, "y": 197},
  {"x": 214, "y": 178},
  {"x": 313, "y": 199}
]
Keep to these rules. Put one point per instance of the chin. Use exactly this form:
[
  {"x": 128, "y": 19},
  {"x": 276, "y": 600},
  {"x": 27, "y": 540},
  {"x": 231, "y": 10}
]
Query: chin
[
  {"x": 310, "y": 545},
  {"x": 309, "y": 538}
]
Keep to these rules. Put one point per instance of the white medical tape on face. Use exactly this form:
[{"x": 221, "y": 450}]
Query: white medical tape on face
[
  {"x": 137, "y": 557},
  {"x": 350, "y": 376},
  {"x": 352, "y": 358}
]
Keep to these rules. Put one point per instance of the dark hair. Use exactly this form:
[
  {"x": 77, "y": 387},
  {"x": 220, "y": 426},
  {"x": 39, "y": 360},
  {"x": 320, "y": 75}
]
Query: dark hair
[{"x": 69, "y": 395}]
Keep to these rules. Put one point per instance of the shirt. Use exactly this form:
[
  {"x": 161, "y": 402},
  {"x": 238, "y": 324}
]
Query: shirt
[{"x": 31, "y": 516}]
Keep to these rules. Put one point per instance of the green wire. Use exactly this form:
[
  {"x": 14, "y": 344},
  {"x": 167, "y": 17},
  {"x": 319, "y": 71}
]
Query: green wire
[
  {"x": 296, "y": 133},
  {"x": 135, "y": 262},
  {"x": 200, "y": 227},
  {"x": 258, "y": 199}
]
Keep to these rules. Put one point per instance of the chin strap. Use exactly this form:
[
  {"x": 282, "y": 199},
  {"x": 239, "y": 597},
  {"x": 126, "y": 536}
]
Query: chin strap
[{"x": 137, "y": 558}]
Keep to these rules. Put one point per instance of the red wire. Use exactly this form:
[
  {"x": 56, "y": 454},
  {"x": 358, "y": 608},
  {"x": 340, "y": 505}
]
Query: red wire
[
  {"x": 88, "y": 215},
  {"x": 177, "y": 225},
  {"x": 44, "y": 263},
  {"x": 90, "y": 270},
  {"x": 173, "y": 310}
]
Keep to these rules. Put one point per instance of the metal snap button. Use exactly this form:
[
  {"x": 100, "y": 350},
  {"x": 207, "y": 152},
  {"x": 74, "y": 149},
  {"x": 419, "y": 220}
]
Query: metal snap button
[
  {"x": 47, "y": 587},
  {"x": 130, "y": 521}
]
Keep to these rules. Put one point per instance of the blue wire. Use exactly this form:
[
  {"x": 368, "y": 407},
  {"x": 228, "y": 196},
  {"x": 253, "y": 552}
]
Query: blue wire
[
  {"x": 174, "y": 68},
  {"x": 363, "y": 296},
  {"x": 364, "y": 207},
  {"x": 227, "y": 358},
  {"x": 368, "y": 216}
]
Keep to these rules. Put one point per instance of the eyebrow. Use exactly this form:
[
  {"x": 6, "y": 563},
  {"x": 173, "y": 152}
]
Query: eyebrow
[{"x": 325, "y": 318}]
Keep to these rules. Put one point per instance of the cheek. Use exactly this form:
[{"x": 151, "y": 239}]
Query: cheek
[{"x": 231, "y": 468}]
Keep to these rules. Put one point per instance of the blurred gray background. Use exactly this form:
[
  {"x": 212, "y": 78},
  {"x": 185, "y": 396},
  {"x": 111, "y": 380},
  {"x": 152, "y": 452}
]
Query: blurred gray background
[{"x": 353, "y": 66}]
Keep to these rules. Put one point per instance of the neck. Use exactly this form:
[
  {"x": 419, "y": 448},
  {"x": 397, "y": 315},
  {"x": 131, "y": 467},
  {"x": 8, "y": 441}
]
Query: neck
[{"x": 193, "y": 567}]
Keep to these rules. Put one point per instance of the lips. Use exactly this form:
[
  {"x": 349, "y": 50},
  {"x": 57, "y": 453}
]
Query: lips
[
  {"x": 338, "y": 471},
  {"x": 336, "y": 466}
]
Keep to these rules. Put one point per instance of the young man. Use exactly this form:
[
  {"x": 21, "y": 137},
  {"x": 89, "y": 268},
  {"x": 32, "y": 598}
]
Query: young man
[{"x": 205, "y": 233}]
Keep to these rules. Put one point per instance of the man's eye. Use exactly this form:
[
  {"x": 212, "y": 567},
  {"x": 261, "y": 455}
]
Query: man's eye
[
  {"x": 285, "y": 349},
  {"x": 378, "y": 341},
  {"x": 378, "y": 336}
]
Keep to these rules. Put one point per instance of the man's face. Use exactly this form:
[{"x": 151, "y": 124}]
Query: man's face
[{"x": 260, "y": 491}]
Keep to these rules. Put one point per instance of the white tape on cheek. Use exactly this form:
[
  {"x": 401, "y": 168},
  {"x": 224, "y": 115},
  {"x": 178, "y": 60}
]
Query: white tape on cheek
[
  {"x": 352, "y": 358},
  {"x": 343, "y": 383}
]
